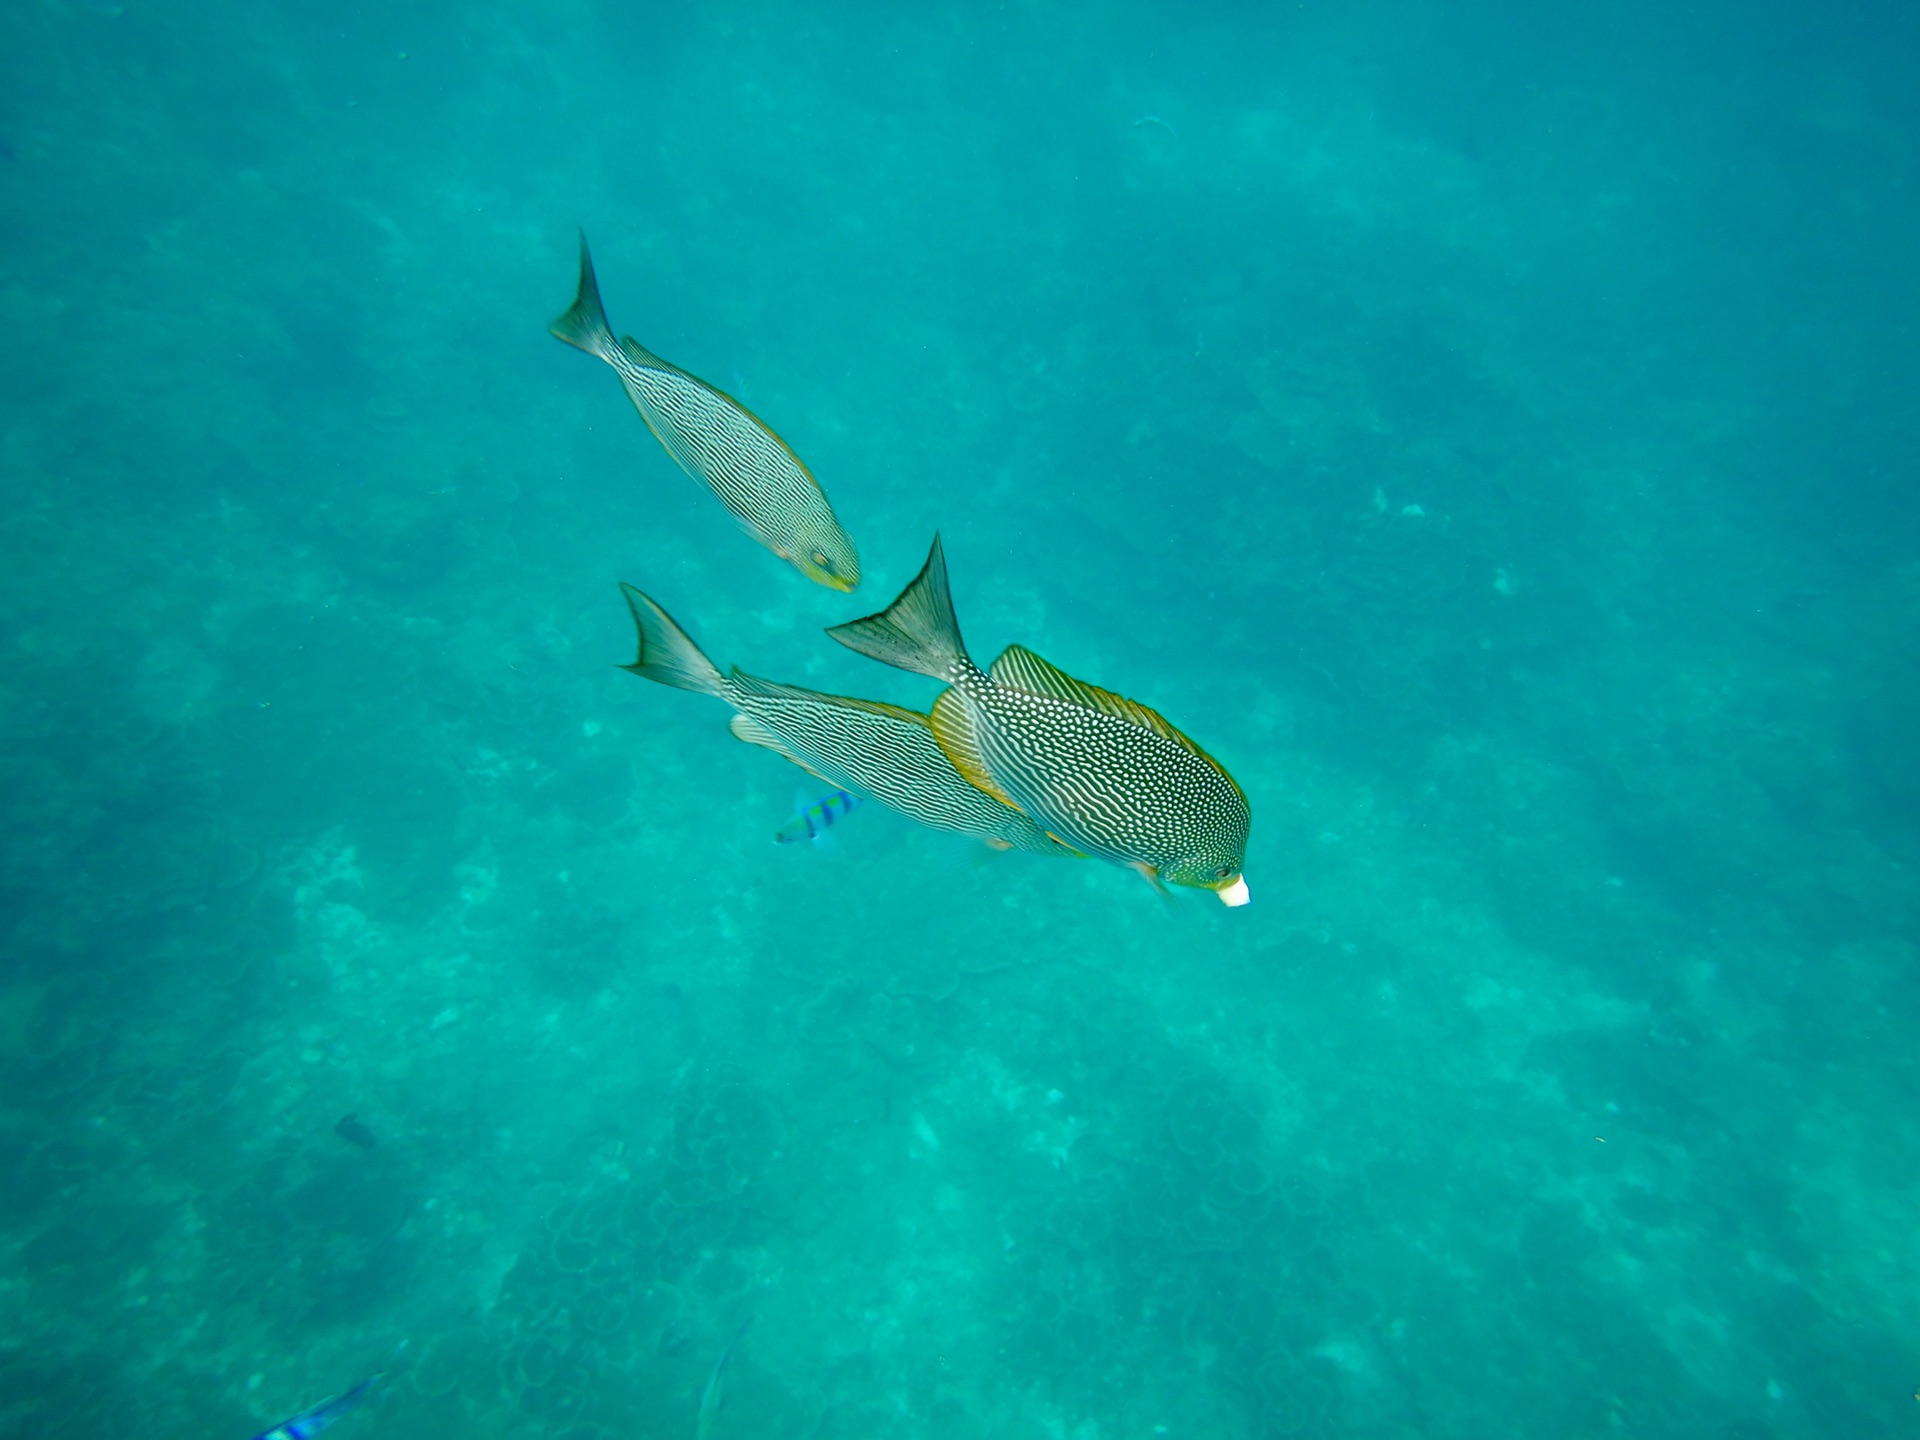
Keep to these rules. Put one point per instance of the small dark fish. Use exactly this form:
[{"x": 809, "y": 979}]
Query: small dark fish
[
  {"x": 714, "y": 1396},
  {"x": 351, "y": 1130},
  {"x": 860, "y": 746},
  {"x": 819, "y": 817},
  {"x": 309, "y": 1423}
]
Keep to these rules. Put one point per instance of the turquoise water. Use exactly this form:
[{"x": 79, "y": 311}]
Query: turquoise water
[{"x": 1487, "y": 429}]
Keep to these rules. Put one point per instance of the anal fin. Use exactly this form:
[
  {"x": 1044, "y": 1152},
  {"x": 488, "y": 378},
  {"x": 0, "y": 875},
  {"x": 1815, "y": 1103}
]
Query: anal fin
[{"x": 745, "y": 727}]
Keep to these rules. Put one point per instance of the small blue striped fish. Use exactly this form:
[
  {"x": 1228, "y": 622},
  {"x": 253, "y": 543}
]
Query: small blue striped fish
[
  {"x": 819, "y": 817},
  {"x": 861, "y": 747},
  {"x": 309, "y": 1423}
]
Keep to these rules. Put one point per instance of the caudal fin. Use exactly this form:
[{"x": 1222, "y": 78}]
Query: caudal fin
[
  {"x": 917, "y": 632},
  {"x": 668, "y": 655},
  {"x": 585, "y": 325}
]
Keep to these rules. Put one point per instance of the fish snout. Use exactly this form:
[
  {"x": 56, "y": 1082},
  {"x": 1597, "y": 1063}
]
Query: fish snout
[
  {"x": 842, "y": 574},
  {"x": 1236, "y": 894}
]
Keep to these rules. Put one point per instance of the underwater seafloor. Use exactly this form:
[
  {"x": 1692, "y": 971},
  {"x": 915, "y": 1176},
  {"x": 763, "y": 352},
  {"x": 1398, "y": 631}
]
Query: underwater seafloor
[{"x": 1489, "y": 431}]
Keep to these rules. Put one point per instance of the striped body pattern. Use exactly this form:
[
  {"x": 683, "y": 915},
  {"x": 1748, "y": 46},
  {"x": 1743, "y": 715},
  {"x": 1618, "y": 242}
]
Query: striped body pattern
[
  {"x": 888, "y": 752},
  {"x": 717, "y": 440},
  {"x": 863, "y": 747},
  {"x": 819, "y": 817}
]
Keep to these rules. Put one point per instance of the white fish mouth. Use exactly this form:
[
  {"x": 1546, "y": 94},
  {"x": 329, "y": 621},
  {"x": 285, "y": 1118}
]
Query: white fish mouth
[{"x": 1235, "y": 894}]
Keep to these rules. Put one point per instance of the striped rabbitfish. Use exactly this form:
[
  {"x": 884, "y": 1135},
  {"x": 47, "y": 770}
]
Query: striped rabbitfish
[
  {"x": 818, "y": 818},
  {"x": 1101, "y": 773},
  {"x": 858, "y": 745},
  {"x": 716, "y": 439}
]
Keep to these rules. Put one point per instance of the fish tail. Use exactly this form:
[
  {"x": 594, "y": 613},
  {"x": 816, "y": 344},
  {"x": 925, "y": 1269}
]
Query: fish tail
[
  {"x": 310, "y": 1423},
  {"x": 668, "y": 655},
  {"x": 585, "y": 325},
  {"x": 340, "y": 1404},
  {"x": 917, "y": 632}
]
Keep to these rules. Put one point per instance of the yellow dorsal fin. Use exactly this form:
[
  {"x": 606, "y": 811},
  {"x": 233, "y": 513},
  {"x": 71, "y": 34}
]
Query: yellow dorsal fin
[
  {"x": 1018, "y": 668},
  {"x": 745, "y": 727},
  {"x": 953, "y": 732}
]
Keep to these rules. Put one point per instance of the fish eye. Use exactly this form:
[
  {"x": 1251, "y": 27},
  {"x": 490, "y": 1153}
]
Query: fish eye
[
  {"x": 822, "y": 561},
  {"x": 1225, "y": 872}
]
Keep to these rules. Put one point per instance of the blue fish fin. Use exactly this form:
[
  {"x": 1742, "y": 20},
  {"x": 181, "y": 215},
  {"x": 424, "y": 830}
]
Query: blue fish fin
[{"x": 309, "y": 1423}]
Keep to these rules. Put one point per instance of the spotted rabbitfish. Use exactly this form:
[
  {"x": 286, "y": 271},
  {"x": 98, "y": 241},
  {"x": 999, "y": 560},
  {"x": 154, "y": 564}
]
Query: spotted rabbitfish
[
  {"x": 862, "y": 746},
  {"x": 1097, "y": 771},
  {"x": 717, "y": 440},
  {"x": 818, "y": 818}
]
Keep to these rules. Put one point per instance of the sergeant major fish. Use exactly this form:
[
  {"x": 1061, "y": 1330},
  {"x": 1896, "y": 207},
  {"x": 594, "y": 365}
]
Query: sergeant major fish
[
  {"x": 819, "y": 817},
  {"x": 1097, "y": 771},
  {"x": 716, "y": 439},
  {"x": 309, "y": 1423},
  {"x": 860, "y": 745}
]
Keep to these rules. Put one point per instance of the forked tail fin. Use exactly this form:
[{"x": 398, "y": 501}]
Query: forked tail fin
[
  {"x": 917, "y": 631},
  {"x": 585, "y": 325},
  {"x": 668, "y": 655}
]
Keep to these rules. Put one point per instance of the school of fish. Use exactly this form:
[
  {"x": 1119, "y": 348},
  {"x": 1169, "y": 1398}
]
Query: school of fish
[{"x": 1021, "y": 755}]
